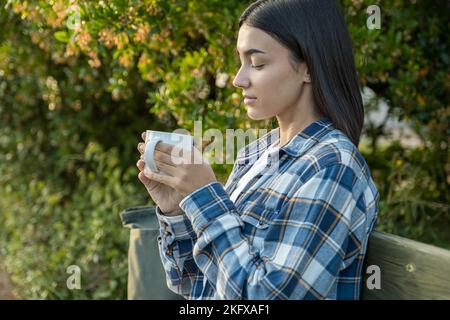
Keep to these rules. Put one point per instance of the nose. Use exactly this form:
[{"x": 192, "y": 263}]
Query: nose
[{"x": 241, "y": 80}]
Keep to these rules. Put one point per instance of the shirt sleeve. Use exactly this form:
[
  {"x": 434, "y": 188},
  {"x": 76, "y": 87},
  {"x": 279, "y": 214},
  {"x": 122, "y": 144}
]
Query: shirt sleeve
[
  {"x": 175, "y": 243},
  {"x": 309, "y": 241}
]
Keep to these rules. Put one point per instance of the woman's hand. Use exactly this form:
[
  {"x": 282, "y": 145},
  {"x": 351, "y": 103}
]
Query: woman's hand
[
  {"x": 185, "y": 177},
  {"x": 165, "y": 197}
]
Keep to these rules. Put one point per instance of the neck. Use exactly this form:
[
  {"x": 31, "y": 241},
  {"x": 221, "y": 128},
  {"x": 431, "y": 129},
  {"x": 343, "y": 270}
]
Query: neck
[
  {"x": 290, "y": 129},
  {"x": 297, "y": 118}
]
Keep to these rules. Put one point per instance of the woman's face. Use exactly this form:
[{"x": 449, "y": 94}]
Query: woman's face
[{"x": 267, "y": 74}]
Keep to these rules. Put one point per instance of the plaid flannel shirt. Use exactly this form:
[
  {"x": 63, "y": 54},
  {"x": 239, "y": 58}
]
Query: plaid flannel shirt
[{"x": 299, "y": 232}]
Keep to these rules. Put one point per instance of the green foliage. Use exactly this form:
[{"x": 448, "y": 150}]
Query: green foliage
[
  {"x": 406, "y": 61},
  {"x": 49, "y": 227},
  {"x": 79, "y": 84},
  {"x": 414, "y": 203}
]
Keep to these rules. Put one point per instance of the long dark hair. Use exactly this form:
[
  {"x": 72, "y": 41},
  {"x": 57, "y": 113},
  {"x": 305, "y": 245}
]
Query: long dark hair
[{"x": 315, "y": 31}]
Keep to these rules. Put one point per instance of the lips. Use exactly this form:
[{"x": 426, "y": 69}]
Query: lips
[{"x": 249, "y": 100}]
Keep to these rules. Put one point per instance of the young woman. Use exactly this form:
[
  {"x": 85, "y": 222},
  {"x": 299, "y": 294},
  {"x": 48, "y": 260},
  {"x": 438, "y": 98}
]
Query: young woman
[{"x": 300, "y": 232}]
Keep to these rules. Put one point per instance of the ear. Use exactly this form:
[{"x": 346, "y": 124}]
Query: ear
[{"x": 307, "y": 76}]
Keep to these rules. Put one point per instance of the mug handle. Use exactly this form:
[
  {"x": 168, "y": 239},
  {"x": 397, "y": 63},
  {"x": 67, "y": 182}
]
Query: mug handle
[{"x": 148, "y": 154}]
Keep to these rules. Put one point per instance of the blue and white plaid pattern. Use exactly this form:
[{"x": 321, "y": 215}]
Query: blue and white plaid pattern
[{"x": 299, "y": 233}]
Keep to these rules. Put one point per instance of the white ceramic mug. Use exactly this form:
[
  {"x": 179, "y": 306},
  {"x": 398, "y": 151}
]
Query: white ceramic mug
[{"x": 152, "y": 138}]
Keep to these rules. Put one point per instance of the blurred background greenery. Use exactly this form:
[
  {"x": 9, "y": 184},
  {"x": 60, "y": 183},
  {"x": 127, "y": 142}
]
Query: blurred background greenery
[{"x": 80, "y": 80}]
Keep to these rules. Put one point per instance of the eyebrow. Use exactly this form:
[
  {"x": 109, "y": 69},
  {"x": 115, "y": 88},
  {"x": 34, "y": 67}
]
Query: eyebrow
[{"x": 249, "y": 52}]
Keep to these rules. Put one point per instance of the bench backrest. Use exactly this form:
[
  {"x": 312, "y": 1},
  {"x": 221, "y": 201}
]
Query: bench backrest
[{"x": 408, "y": 269}]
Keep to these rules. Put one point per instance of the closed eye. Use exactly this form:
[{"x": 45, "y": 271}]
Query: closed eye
[{"x": 258, "y": 67}]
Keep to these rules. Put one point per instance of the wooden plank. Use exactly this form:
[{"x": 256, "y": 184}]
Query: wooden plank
[{"x": 409, "y": 269}]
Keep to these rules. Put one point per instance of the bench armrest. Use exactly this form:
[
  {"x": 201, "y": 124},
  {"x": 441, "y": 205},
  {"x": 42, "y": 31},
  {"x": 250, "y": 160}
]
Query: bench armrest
[{"x": 146, "y": 275}]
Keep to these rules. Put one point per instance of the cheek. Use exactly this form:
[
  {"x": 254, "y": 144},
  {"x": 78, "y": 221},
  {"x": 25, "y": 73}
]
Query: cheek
[
  {"x": 276, "y": 90},
  {"x": 286, "y": 83}
]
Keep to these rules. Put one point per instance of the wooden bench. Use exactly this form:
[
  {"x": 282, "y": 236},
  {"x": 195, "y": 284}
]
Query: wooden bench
[{"x": 408, "y": 269}]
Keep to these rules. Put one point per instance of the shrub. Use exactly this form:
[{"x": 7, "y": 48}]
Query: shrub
[{"x": 80, "y": 80}]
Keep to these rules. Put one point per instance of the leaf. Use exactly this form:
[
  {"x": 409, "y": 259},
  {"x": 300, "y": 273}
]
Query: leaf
[
  {"x": 62, "y": 36},
  {"x": 165, "y": 6},
  {"x": 120, "y": 4}
]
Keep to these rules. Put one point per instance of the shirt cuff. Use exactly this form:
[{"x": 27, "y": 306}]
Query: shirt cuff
[
  {"x": 206, "y": 204},
  {"x": 175, "y": 227}
]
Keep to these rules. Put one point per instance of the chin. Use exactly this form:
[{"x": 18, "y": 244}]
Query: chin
[{"x": 256, "y": 116}]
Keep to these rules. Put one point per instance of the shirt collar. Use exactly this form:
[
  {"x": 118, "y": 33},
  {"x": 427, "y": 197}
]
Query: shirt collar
[{"x": 297, "y": 146}]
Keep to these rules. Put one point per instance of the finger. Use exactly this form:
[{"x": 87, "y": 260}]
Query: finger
[
  {"x": 164, "y": 147},
  {"x": 171, "y": 170},
  {"x": 140, "y": 164},
  {"x": 143, "y": 135},
  {"x": 203, "y": 143},
  {"x": 143, "y": 178},
  {"x": 167, "y": 180},
  {"x": 148, "y": 183},
  {"x": 163, "y": 157},
  {"x": 177, "y": 154},
  {"x": 206, "y": 142},
  {"x": 176, "y": 158},
  {"x": 141, "y": 147}
]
